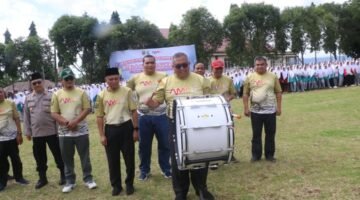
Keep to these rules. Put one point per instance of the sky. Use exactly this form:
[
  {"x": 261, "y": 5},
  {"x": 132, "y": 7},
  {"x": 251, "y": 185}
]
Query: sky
[{"x": 17, "y": 15}]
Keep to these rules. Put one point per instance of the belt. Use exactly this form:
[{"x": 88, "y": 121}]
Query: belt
[{"x": 117, "y": 125}]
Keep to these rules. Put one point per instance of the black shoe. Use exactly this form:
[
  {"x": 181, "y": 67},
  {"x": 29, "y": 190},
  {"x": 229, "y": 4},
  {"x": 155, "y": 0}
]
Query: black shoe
[
  {"x": 130, "y": 190},
  {"x": 254, "y": 159},
  {"x": 10, "y": 177},
  {"x": 22, "y": 181},
  {"x": 271, "y": 159},
  {"x": 2, "y": 187},
  {"x": 41, "y": 183},
  {"x": 116, "y": 191},
  {"x": 206, "y": 195}
]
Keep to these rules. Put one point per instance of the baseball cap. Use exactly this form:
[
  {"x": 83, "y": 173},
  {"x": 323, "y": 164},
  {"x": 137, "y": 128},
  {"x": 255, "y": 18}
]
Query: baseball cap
[
  {"x": 66, "y": 73},
  {"x": 216, "y": 64}
]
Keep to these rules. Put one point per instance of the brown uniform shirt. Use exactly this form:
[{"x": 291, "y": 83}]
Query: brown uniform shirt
[{"x": 37, "y": 119}]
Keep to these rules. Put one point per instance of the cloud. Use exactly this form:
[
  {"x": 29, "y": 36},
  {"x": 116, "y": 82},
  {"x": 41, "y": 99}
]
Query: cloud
[{"x": 17, "y": 15}]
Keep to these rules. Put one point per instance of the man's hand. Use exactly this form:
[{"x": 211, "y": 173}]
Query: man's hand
[
  {"x": 19, "y": 139},
  {"x": 247, "y": 112},
  {"x": 103, "y": 140},
  {"x": 28, "y": 137},
  {"x": 72, "y": 125},
  {"x": 136, "y": 135},
  {"x": 278, "y": 111}
]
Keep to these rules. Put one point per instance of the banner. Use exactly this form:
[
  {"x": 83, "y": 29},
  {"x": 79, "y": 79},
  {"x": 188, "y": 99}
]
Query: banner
[{"x": 130, "y": 62}]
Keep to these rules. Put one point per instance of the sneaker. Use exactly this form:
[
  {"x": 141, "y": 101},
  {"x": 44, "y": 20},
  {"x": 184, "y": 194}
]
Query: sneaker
[
  {"x": 91, "y": 185},
  {"x": 167, "y": 174},
  {"x": 68, "y": 188},
  {"x": 214, "y": 167},
  {"x": 144, "y": 176},
  {"x": 22, "y": 181}
]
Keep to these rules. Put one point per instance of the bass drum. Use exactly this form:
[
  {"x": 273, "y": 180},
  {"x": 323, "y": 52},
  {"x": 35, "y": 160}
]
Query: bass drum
[{"x": 204, "y": 132}]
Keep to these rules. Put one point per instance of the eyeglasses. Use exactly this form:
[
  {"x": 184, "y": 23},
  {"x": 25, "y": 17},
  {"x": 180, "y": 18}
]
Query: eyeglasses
[
  {"x": 36, "y": 83},
  {"x": 183, "y": 65},
  {"x": 69, "y": 78}
]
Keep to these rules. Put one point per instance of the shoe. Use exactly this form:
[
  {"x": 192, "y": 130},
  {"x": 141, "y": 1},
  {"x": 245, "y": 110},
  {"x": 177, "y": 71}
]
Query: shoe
[
  {"x": 144, "y": 176},
  {"x": 41, "y": 183},
  {"x": 214, "y": 167},
  {"x": 130, "y": 189},
  {"x": 2, "y": 187},
  {"x": 167, "y": 174},
  {"x": 116, "y": 191},
  {"x": 205, "y": 195},
  {"x": 62, "y": 181},
  {"x": 271, "y": 159},
  {"x": 91, "y": 185},
  {"x": 10, "y": 177},
  {"x": 22, "y": 181},
  {"x": 254, "y": 159},
  {"x": 68, "y": 188}
]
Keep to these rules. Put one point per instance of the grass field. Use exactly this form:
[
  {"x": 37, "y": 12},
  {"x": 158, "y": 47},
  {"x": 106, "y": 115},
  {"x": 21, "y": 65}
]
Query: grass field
[{"x": 318, "y": 152}]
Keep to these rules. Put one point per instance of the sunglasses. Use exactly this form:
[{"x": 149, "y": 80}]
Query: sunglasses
[
  {"x": 69, "y": 78},
  {"x": 183, "y": 65},
  {"x": 36, "y": 83}
]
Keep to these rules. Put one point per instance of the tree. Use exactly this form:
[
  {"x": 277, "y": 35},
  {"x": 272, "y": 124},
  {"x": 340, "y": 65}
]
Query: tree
[
  {"x": 329, "y": 21},
  {"x": 350, "y": 29},
  {"x": 7, "y": 36},
  {"x": 74, "y": 37},
  {"x": 198, "y": 27},
  {"x": 312, "y": 28},
  {"x": 141, "y": 34},
  {"x": 115, "y": 19},
  {"x": 293, "y": 17},
  {"x": 250, "y": 29},
  {"x": 32, "y": 29}
]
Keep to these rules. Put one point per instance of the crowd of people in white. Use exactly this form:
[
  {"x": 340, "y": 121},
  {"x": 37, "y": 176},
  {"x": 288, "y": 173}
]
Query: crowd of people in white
[{"x": 294, "y": 78}]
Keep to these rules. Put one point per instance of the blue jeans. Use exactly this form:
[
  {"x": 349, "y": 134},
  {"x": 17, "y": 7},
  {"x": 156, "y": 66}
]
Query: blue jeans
[{"x": 148, "y": 127}]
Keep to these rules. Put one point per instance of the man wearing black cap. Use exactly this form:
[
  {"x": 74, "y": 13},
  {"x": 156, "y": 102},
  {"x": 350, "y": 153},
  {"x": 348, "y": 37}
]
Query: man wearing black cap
[
  {"x": 39, "y": 125},
  {"x": 115, "y": 109},
  {"x": 69, "y": 107}
]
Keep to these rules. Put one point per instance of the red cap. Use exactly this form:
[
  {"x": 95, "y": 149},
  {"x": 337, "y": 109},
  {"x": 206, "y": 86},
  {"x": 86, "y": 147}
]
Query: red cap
[{"x": 216, "y": 64}]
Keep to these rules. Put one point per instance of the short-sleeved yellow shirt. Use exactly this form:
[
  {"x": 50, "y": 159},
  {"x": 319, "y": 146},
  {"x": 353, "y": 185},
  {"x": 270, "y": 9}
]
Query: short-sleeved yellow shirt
[
  {"x": 69, "y": 104},
  {"x": 115, "y": 106},
  {"x": 261, "y": 89},
  {"x": 171, "y": 87},
  {"x": 8, "y": 112},
  {"x": 224, "y": 86},
  {"x": 144, "y": 86}
]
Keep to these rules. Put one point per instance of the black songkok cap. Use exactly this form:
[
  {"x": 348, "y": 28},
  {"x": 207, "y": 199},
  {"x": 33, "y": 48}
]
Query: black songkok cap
[
  {"x": 35, "y": 75},
  {"x": 112, "y": 71}
]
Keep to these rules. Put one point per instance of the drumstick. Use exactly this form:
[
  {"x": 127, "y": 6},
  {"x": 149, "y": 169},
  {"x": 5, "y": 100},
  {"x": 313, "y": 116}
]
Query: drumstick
[
  {"x": 158, "y": 82},
  {"x": 236, "y": 116}
]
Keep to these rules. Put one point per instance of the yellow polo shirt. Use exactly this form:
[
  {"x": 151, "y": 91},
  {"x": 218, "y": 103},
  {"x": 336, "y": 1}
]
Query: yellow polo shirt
[
  {"x": 69, "y": 104},
  {"x": 8, "y": 112},
  {"x": 144, "y": 86},
  {"x": 261, "y": 90},
  {"x": 115, "y": 106},
  {"x": 224, "y": 85},
  {"x": 171, "y": 87}
]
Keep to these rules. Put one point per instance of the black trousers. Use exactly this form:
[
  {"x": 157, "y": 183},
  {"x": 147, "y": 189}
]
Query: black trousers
[
  {"x": 9, "y": 149},
  {"x": 120, "y": 139},
  {"x": 40, "y": 155},
  {"x": 180, "y": 178},
  {"x": 268, "y": 121}
]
